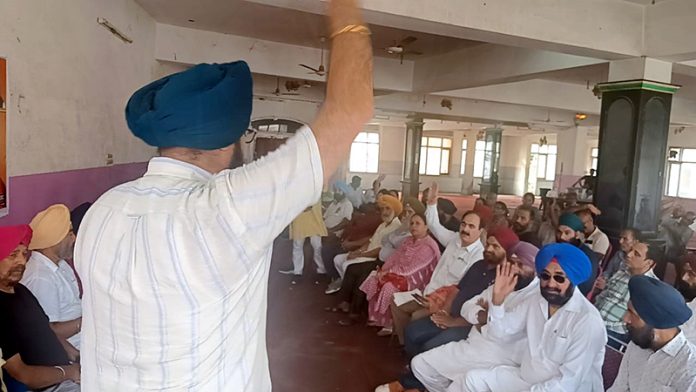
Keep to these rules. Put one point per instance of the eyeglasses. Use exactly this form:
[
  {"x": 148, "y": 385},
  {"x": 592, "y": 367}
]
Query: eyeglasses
[{"x": 545, "y": 276}]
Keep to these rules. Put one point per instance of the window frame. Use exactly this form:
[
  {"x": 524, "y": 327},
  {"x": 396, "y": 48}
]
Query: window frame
[
  {"x": 438, "y": 143},
  {"x": 367, "y": 143},
  {"x": 678, "y": 164},
  {"x": 544, "y": 152}
]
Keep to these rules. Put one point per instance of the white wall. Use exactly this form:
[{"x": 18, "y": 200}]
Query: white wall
[{"x": 69, "y": 80}]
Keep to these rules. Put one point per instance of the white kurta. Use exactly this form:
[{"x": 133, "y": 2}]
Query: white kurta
[
  {"x": 563, "y": 353},
  {"x": 437, "y": 368},
  {"x": 671, "y": 368},
  {"x": 456, "y": 259},
  {"x": 175, "y": 269},
  {"x": 689, "y": 327},
  {"x": 55, "y": 287}
]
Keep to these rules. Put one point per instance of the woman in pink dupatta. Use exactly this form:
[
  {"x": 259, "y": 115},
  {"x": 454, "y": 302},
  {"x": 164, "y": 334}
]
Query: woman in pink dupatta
[{"x": 408, "y": 268}]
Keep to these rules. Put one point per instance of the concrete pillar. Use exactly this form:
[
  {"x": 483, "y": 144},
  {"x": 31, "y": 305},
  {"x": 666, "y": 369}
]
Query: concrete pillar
[
  {"x": 410, "y": 182},
  {"x": 633, "y": 134}
]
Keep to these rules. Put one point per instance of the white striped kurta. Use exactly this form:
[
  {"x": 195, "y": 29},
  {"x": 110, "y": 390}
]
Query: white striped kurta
[{"x": 175, "y": 270}]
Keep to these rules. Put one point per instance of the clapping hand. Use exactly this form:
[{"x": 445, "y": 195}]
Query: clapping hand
[{"x": 505, "y": 282}]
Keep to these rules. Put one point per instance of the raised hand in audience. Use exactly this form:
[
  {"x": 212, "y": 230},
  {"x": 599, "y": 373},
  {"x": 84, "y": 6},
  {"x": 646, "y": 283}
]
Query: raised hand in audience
[
  {"x": 505, "y": 282},
  {"x": 432, "y": 194}
]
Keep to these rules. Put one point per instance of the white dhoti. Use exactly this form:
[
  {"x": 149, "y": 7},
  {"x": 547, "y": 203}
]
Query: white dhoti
[
  {"x": 341, "y": 262},
  {"x": 439, "y": 367},
  {"x": 498, "y": 379},
  {"x": 298, "y": 254}
]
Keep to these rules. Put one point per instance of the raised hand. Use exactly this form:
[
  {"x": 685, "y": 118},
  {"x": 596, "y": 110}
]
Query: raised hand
[
  {"x": 505, "y": 282},
  {"x": 432, "y": 194}
]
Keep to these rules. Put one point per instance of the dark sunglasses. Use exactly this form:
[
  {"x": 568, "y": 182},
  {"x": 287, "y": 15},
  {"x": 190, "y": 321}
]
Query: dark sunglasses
[{"x": 545, "y": 276}]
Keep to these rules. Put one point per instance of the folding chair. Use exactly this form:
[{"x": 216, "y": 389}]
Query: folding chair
[{"x": 612, "y": 361}]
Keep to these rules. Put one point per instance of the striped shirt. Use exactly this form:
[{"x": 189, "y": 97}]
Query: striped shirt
[{"x": 175, "y": 270}]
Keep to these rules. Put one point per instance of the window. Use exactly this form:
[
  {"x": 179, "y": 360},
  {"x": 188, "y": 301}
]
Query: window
[
  {"x": 544, "y": 161},
  {"x": 595, "y": 156},
  {"x": 435, "y": 156},
  {"x": 364, "y": 153},
  {"x": 463, "y": 167},
  {"x": 681, "y": 172},
  {"x": 479, "y": 158}
]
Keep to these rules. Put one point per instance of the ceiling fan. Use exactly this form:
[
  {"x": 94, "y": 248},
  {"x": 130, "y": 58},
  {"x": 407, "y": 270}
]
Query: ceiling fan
[
  {"x": 289, "y": 86},
  {"x": 400, "y": 49},
  {"x": 321, "y": 71}
]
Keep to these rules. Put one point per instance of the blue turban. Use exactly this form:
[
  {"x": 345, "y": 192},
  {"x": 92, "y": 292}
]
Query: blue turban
[
  {"x": 572, "y": 221},
  {"x": 205, "y": 107},
  {"x": 573, "y": 261},
  {"x": 343, "y": 187},
  {"x": 658, "y": 303}
]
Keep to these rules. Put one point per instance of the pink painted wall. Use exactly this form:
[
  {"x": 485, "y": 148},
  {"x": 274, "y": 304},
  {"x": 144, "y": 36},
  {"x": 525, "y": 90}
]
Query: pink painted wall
[{"x": 32, "y": 193}]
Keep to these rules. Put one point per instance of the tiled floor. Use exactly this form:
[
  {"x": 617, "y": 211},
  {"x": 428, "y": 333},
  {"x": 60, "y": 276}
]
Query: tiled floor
[{"x": 308, "y": 350}]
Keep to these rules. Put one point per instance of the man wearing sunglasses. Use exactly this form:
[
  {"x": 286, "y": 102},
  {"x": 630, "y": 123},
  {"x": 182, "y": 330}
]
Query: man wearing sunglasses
[
  {"x": 565, "y": 333},
  {"x": 571, "y": 231},
  {"x": 659, "y": 357}
]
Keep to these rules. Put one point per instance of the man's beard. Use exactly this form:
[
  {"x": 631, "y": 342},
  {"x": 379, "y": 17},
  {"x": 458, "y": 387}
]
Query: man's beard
[
  {"x": 518, "y": 228},
  {"x": 523, "y": 281},
  {"x": 554, "y": 297},
  {"x": 642, "y": 337},
  {"x": 491, "y": 258},
  {"x": 572, "y": 241}
]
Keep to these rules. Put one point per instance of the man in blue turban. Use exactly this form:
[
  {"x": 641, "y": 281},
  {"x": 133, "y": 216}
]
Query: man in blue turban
[
  {"x": 564, "y": 350},
  {"x": 659, "y": 357},
  {"x": 175, "y": 263},
  {"x": 570, "y": 231}
]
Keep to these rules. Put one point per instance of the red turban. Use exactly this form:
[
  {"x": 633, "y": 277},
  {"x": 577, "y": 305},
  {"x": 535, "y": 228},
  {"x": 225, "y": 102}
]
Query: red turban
[
  {"x": 507, "y": 238},
  {"x": 13, "y": 236},
  {"x": 485, "y": 213}
]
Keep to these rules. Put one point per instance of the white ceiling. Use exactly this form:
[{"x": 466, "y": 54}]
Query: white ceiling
[{"x": 247, "y": 19}]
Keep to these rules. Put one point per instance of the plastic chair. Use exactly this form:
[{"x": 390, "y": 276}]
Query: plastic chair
[{"x": 612, "y": 362}]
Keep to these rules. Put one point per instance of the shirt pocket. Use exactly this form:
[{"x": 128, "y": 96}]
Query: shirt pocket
[{"x": 557, "y": 348}]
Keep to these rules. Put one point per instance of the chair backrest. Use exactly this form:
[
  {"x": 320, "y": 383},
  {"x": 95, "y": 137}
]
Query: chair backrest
[{"x": 612, "y": 362}]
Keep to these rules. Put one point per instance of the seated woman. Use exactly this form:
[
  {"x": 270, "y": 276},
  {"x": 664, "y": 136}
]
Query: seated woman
[
  {"x": 351, "y": 299},
  {"x": 409, "y": 268}
]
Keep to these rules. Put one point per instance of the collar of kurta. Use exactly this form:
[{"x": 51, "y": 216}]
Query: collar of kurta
[
  {"x": 161, "y": 166},
  {"x": 39, "y": 257},
  {"x": 469, "y": 248},
  {"x": 675, "y": 345}
]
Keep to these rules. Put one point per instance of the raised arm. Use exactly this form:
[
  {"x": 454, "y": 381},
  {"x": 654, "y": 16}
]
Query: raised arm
[
  {"x": 441, "y": 233},
  {"x": 349, "y": 97}
]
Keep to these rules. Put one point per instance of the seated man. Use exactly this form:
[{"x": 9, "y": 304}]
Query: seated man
[
  {"x": 390, "y": 208},
  {"x": 677, "y": 234},
  {"x": 612, "y": 301},
  {"x": 437, "y": 368},
  {"x": 659, "y": 357},
  {"x": 32, "y": 353},
  {"x": 447, "y": 325},
  {"x": 446, "y": 210},
  {"x": 338, "y": 214},
  {"x": 49, "y": 277},
  {"x": 350, "y": 298},
  {"x": 595, "y": 239},
  {"x": 627, "y": 238},
  {"x": 463, "y": 249},
  {"x": 689, "y": 279},
  {"x": 569, "y": 231},
  {"x": 565, "y": 334},
  {"x": 525, "y": 225}
]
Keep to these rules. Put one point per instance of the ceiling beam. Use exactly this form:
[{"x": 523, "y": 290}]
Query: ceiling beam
[
  {"x": 669, "y": 30},
  {"x": 593, "y": 28},
  {"x": 489, "y": 64},
  {"x": 190, "y": 46}
]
